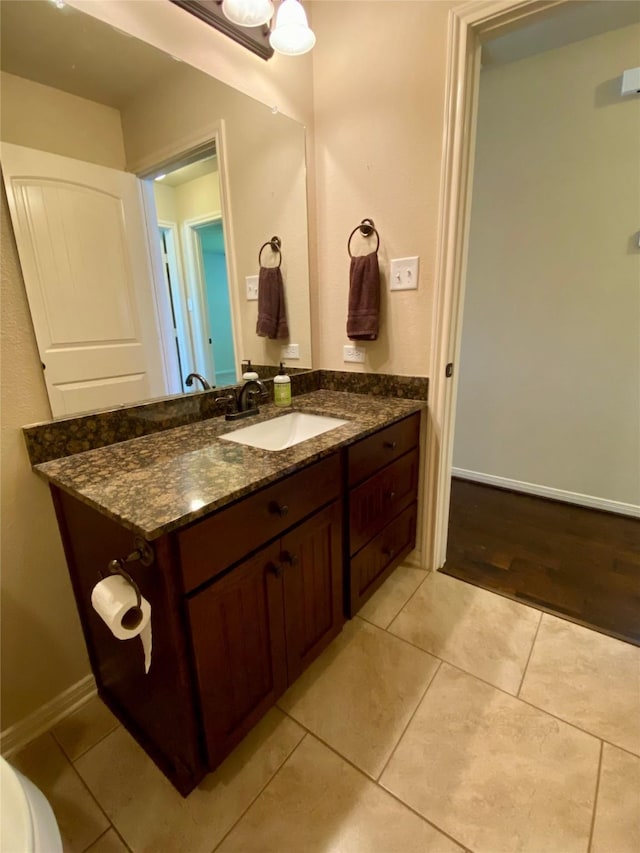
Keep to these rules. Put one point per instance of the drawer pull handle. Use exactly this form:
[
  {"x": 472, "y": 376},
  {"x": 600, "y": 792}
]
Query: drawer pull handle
[
  {"x": 278, "y": 509},
  {"x": 288, "y": 557},
  {"x": 274, "y": 569},
  {"x": 388, "y": 552},
  {"x": 389, "y": 445}
]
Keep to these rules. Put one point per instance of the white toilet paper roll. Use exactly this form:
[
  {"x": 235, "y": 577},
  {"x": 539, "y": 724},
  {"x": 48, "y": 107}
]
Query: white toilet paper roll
[{"x": 114, "y": 599}]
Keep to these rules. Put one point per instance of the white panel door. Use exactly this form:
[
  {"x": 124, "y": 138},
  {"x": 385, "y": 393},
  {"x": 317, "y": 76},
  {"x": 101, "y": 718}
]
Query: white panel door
[{"x": 83, "y": 249}]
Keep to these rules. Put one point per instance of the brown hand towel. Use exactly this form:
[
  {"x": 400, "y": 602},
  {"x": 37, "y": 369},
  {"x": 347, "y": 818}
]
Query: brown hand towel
[
  {"x": 364, "y": 298},
  {"x": 272, "y": 312}
]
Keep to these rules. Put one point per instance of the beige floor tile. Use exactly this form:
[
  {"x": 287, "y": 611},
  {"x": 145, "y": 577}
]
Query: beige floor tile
[
  {"x": 84, "y": 728},
  {"x": 360, "y": 693},
  {"x": 385, "y": 604},
  {"x": 494, "y": 772},
  {"x": 80, "y": 820},
  {"x": 108, "y": 843},
  {"x": 617, "y": 824},
  {"x": 483, "y": 633},
  {"x": 151, "y": 815},
  {"x": 588, "y": 679},
  {"x": 318, "y": 803}
]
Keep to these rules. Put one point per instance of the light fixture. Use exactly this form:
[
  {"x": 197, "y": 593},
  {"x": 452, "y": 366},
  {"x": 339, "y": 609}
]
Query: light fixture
[
  {"x": 160, "y": 177},
  {"x": 248, "y": 13},
  {"x": 291, "y": 34}
]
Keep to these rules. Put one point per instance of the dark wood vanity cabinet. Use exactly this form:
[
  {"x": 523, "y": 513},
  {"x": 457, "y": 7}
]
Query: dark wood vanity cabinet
[
  {"x": 242, "y": 601},
  {"x": 245, "y": 598},
  {"x": 255, "y": 629},
  {"x": 382, "y": 474}
]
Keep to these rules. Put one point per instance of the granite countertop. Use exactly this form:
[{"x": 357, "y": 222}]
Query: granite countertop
[{"x": 158, "y": 483}]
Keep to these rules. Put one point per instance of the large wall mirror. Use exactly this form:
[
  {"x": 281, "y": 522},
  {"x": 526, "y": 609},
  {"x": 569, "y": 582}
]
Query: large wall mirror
[{"x": 159, "y": 185}]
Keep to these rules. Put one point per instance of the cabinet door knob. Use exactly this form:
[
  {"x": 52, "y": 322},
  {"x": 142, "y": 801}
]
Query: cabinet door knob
[
  {"x": 274, "y": 569},
  {"x": 388, "y": 552},
  {"x": 391, "y": 495},
  {"x": 276, "y": 508},
  {"x": 389, "y": 445},
  {"x": 288, "y": 557}
]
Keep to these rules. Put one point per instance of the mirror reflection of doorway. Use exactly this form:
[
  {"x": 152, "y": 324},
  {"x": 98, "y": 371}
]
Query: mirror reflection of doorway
[{"x": 199, "y": 331}]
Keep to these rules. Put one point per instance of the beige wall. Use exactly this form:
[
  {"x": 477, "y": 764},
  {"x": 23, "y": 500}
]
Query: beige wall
[
  {"x": 38, "y": 116},
  {"x": 379, "y": 72},
  {"x": 189, "y": 200},
  {"x": 198, "y": 197},
  {"x": 43, "y": 652},
  {"x": 549, "y": 387}
]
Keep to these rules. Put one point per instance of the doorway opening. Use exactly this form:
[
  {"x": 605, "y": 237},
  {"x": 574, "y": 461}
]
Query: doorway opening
[
  {"x": 532, "y": 433},
  {"x": 184, "y": 206}
]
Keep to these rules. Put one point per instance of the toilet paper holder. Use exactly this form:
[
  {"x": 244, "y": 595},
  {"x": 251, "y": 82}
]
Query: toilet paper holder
[{"x": 144, "y": 553}]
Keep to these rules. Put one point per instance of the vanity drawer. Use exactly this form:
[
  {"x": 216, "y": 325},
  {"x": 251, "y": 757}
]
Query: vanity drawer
[
  {"x": 383, "y": 447},
  {"x": 374, "y": 563},
  {"x": 375, "y": 502},
  {"x": 209, "y": 546}
]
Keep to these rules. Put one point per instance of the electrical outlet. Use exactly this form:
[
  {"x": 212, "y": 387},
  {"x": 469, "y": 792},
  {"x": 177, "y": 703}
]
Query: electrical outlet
[
  {"x": 404, "y": 274},
  {"x": 290, "y": 351},
  {"x": 353, "y": 354},
  {"x": 252, "y": 287}
]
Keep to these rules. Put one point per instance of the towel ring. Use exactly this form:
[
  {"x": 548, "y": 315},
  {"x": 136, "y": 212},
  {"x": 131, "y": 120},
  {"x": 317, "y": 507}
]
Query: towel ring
[
  {"x": 366, "y": 228},
  {"x": 275, "y": 243}
]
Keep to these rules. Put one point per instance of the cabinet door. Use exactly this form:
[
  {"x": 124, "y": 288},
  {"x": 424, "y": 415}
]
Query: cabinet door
[
  {"x": 313, "y": 587},
  {"x": 374, "y": 503},
  {"x": 238, "y": 643},
  {"x": 373, "y": 564}
]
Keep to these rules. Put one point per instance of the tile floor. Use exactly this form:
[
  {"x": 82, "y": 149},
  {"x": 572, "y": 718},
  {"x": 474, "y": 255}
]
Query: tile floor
[{"x": 444, "y": 718}]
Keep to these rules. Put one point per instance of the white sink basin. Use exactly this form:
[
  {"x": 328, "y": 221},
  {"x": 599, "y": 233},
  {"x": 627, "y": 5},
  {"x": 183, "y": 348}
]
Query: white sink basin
[{"x": 285, "y": 431}]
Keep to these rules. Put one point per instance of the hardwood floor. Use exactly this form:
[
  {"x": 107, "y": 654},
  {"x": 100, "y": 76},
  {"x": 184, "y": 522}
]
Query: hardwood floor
[{"x": 581, "y": 564}]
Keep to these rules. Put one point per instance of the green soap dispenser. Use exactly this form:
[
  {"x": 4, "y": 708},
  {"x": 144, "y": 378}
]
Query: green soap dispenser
[{"x": 282, "y": 388}]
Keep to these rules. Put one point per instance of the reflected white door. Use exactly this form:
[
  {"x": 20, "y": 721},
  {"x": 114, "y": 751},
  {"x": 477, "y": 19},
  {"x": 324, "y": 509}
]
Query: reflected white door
[{"x": 82, "y": 242}]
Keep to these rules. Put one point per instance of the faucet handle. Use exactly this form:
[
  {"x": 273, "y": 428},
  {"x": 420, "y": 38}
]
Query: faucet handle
[{"x": 229, "y": 399}]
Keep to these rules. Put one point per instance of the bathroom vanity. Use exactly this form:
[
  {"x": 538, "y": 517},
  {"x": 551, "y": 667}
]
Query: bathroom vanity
[{"x": 253, "y": 560}]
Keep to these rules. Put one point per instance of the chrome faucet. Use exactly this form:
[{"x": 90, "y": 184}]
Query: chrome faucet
[
  {"x": 189, "y": 381},
  {"x": 248, "y": 393}
]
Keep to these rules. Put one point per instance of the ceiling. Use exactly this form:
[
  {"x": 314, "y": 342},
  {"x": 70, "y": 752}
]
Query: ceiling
[
  {"x": 571, "y": 22},
  {"x": 74, "y": 52},
  {"x": 184, "y": 174}
]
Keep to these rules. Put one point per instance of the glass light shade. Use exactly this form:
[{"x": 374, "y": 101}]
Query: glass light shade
[
  {"x": 292, "y": 34},
  {"x": 248, "y": 13}
]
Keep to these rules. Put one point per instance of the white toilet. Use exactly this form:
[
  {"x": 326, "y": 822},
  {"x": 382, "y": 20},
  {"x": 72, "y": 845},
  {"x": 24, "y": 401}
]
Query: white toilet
[{"x": 27, "y": 822}]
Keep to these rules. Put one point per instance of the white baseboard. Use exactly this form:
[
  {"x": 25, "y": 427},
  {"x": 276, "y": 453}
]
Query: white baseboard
[
  {"x": 18, "y": 735},
  {"x": 548, "y": 492}
]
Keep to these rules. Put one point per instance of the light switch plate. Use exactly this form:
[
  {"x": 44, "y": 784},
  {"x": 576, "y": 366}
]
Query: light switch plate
[
  {"x": 404, "y": 274},
  {"x": 290, "y": 351},
  {"x": 252, "y": 287},
  {"x": 353, "y": 354}
]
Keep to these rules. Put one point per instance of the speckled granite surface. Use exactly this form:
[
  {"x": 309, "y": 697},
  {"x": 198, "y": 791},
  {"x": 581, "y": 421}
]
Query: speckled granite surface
[
  {"x": 161, "y": 482},
  {"x": 78, "y": 433},
  {"x": 379, "y": 384}
]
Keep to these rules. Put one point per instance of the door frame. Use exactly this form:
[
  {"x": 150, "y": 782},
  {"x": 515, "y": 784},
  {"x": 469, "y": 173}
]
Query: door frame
[
  {"x": 469, "y": 26},
  {"x": 175, "y": 295},
  {"x": 186, "y": 147}
]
